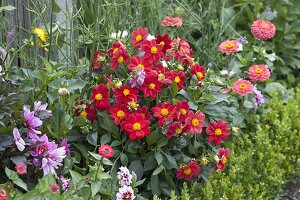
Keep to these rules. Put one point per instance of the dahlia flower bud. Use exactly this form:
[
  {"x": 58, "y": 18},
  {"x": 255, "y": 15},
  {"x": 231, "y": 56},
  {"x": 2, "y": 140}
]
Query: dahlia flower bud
[
  {"x": 204, "y": 161},
  {"x": 118, "y": 84},
  {"x": 235, "y": 130},
  {"x": 63, "y": 91}
]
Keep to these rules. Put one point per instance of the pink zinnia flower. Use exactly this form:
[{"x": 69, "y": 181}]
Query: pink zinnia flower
[
  {"x": 217, "y": 131},
  {"x": 106, "y": 151},
  {"x": 3, "y": 194},
  {"x": 230, "y": 47},
  {"x": 21, "y": 169},
  {"x": 242, "y": 87},
  {"x": 195, "y": 121},
  {"x": 259, "y": 73},
  {"x": 263, "y": 30},
  {"x": 54, "y": 187},
  {"x": 171, "y": 22}
]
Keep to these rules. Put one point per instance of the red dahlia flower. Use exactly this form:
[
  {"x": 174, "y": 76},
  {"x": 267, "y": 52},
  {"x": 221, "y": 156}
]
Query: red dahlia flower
[
  {"x": 195, "y": 121},
  {"x": 98, "y": 60},
  {"x": 118, "y": 58},
  {"x": 152, "y": 86},
  {"x": 164, "y": 41},
  {"x": 118, "y": 113},
  {"x": 223, "y": 154},
  {"x": 106, "y": 151},
  {"x": 153, "y": 52},
  {"x": 84, "y": 110},
  {"x": 116, "y": 47},
  {"x": 100, "y": 97},
  {"x": 137, "y": 61},
  {"x": 139, "y": 36},
  {"x": 164, "y": 112},
  {"x": 188, "y": 171},
  {"x": 183, "y": 109},
  {"x": 263, "y": 30},
  {"x": 146, "y": 114},
  {"x": 136, "y": 126},
  {"x": 242, "y": 87},
  {"x": 178, "y": 77},
  {"x": 176, "y": 128},
  {"x": 126, "y": 94},
  {"x": 217, "y": 131},
  {"x": 259, "y": 73},
  {"x": 199, "y": 71}
]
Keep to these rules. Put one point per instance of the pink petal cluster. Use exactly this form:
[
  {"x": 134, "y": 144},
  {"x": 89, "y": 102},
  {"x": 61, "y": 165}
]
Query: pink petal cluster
[
  {"x": 242, "y": 87},
  {"x": 171, "y": 22},
  {"x": 259, "y": 73},
  {"x": 263, "y": 30},
  {"x": 230, "y": 47}
]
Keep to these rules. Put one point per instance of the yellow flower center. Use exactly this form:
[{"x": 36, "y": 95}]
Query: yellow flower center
[
  {"x": 153, "y": 50},
  {"x": 224, "y": 160},
  {"x": 183, "y": 111},
  {"x": 141, "y": 66},
  {"x": 162, "y": 43},
  {"x": 199, "y": 75},
  {"x": 187, "y": 171},
  {"x": 138, "y": 38},
  {"x": 177, "y": 79},
  {"x": 120, "y": 59},
  {"x": 243, "y": 86},
  {"x": 136, "y": 126},
  {"x": 218, "y": 132},
  {"x": 164, "y": 112},
  {"x": 126, "y": 92},
  {"x": 133, "y": 104},
  {"x": 83, "y": 114},
  {"x": 229, "y": 45},
  {"x": 178, "y": 130},
  {"x": 115, "y": 50},
  {"x": 161, "y": 76},
  {"x": 195, "y": 122},
  {"x": 258, "y": 70},
  {"x": 121, "y": 114},
  {"x": 151, "y": 86},
  {"x": 98, "y": 97}
]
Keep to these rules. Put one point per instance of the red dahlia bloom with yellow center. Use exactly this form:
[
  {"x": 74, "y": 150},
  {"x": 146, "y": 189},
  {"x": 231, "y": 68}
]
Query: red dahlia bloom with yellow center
[
  {"x": 136, "y": 126},
  {"x": 164, "y": 41},
  {"x": 217, "y": 131},
  {"x": 183, "y": 108},
  {"x": 195, "y": 121},
  {"x": 126, "y": 94},
  {"x": 120, "y": 57},
  {"x": 152, "y": 86},
  {"x": 137, "y": 61},
  {"x": 223, "y": 154},
  {"x": 164, "y": 112},
  {"x": 116, "y": 47},
  {"x": 177, "y": 77},
  {"x": 188, "y": 171},
  {"x": 199, "y": 71},
  {"x": 118, "y": 113},
  {"x": 139, "y": 36},
  {"x": 152, "y": 51},
  {"x": 98, "y": 60},
  {"x": 176, "y": 128},
  {"x": 100, "y": 97}
]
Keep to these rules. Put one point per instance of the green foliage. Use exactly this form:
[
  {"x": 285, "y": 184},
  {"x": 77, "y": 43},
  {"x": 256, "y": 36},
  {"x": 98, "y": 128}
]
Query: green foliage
[{"x": 261, "y": 162}]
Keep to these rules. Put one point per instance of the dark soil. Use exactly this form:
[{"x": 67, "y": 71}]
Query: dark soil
[{"x": 292, "y": 191}]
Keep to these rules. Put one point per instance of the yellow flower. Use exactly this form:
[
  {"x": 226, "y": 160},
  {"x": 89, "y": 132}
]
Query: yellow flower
[{"x": 43, "y": 37}]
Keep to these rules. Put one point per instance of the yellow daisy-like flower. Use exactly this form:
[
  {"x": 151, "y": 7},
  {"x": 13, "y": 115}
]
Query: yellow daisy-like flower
[{"x": 43, "y": 37}]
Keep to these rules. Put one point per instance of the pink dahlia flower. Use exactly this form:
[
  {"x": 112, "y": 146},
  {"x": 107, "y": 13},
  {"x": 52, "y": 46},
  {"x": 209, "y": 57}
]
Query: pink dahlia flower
[
  {"x": 242, "y": 87},
  {"x": 259, "y": 73},
  {"x": 21, "y": 169},
  {"x": 171, "y": 22},
  {"x": 230, "y": 47},
  {"x": 263, "y": 30}
]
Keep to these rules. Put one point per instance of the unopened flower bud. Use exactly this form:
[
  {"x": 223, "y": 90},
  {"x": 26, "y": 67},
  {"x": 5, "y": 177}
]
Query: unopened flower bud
[
  {"x": 219, "y": 82},
  {"x": 235, "y": 130},
  {"x": 204, "y": 161},
  {"x": 118, "y": 84},
  {"x": 216, "y": 158},
  {"x": 63, "y": 91},
  {"x": 180, "y": 67}
]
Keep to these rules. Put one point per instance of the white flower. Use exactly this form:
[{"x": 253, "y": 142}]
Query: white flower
[
  {"x": 240, "y": 47},
  {"x": 231, "y": 73},
  {"x": 150, "y": 37},
  {"x": 119, "y": 35},
  {"x": 125, "y": 192},
  {"x": 164, "y": 63},
  {"x": 124, "y": 176},
  {"x": 271, "y": 57},
  {"x": 224, "y": 72},
  {"x": 18, "y": 140}
]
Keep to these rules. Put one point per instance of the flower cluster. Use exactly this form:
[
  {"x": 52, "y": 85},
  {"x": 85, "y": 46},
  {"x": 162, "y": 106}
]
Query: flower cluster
[
  {"x": 125, "y": 179},
  {"x": 45, "y": 154}
]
